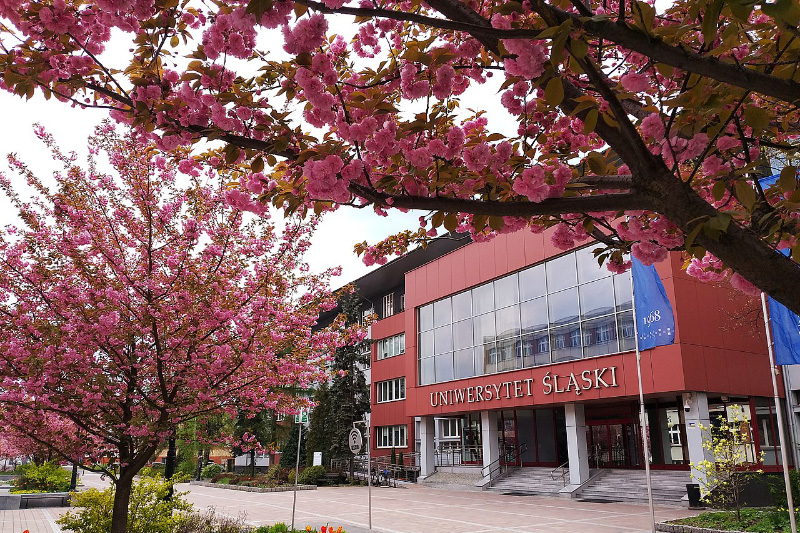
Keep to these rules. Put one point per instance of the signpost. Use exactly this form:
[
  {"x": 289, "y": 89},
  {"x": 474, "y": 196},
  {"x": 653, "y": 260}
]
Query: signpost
[
  {"x": 300, "y": 419},
  {"x": 355, "y": 441}
]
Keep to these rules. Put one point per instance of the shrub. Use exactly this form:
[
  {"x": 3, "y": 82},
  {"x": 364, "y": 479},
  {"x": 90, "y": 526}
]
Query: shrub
[
  {"x": 210, "y": 470},
  {"x": 187, "y": 467},
  {"x": 311, "y": 475},
  {"x": 147, "y": 511},
  {"x": 274, "y": 472},
  {"x": 210, "y": 522},
  {"x": 46, "y": 477}
]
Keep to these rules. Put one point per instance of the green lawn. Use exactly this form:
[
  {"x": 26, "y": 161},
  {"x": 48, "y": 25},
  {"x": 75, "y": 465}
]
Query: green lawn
[{"x": 752, "y": 520}]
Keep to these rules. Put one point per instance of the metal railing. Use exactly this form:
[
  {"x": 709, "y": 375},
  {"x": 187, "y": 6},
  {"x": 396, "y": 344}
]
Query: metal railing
[
  {"x": 499, "y": 467},
  {"x": 457, "y": 455},
  {"x": 381, "y": 469},
  {"x": 560, "y": 471}
]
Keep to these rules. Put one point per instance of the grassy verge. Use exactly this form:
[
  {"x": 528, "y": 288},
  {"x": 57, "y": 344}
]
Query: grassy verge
[{"x": 752, "y": 520}]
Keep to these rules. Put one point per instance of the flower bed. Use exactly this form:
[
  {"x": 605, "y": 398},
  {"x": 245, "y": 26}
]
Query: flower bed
[
  {"x": 278, "y": 488},
  {"x": 752, "y": 520}
]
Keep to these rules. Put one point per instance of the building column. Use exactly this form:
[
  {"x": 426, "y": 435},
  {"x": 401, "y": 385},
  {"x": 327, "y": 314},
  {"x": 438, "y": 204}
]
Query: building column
[
  {"x": 490, "y": 440},
  {"x": 697, "y": 416},
  {"x": 577, "y": 449},
  {"x": 427, "y": 432}
]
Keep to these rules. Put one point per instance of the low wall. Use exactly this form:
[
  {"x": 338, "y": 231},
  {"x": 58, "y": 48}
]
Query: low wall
[
  {"x": 677, "y": 528},
  {"x": 285, "y": 488}
]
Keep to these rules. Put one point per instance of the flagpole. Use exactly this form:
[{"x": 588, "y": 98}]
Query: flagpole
[
  {"x": 642, "y": 419},
  {"x": 778, "y": 411}
]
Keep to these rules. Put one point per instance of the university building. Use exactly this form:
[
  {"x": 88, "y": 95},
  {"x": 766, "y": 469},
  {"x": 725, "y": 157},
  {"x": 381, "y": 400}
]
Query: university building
[{"x": 515, "y": 352}]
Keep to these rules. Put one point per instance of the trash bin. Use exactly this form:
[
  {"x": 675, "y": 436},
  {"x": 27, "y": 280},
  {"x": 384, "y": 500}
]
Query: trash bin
[{"x": 693, "y": 491}]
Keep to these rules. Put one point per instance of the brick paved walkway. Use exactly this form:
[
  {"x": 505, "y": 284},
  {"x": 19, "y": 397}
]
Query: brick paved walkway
[{"x": 34, "y": 520}]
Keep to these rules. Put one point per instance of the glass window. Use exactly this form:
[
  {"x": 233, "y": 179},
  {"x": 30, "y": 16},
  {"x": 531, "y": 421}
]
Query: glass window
[
  {"x": 534, "y": 314},
  {"x": 464, "y": 363},
  {"x": 506, "y": 291},
  {"x": 563, "y": 307},
  {"x": 426, "y": 344},
  {"x": 507, "y": 355},
  {"x": 388, "y": 305},
  {"x": 625, "y": 331},
  {"x": 426, "y": 374},
  {"x": 600, "y": 336},
  {"x": 462, "y": 305},
  {"x": 444, "y": 367},
  {"x": 561, "y": 273},
  {"x": 426, "y": 317},
  {"x": 462, "y": 334},
  {"x": 483, "y": 328},
  {"x": 488, "y": 354},
  {"x": 623, "y": 292},
  {"x": 442, "y": 340},
  {"x": 483, "y": 299},
  {"x": 507, "y": 322},
  {"x": 442, "y": 312},
  {"x": 597, "y": 298},
  {"x": 532, "y": 283},
  {"x": 566, "y": 343},
  {"x": 535, "y": 350},
  {"x": 588, "y": 268}
]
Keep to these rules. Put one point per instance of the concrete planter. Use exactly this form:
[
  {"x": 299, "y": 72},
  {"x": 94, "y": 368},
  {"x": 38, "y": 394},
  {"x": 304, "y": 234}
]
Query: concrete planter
[
  {"x": 286, "y": 488},
  {"x": 29, "y": 501},
  {"x": 677, "y": 528}
]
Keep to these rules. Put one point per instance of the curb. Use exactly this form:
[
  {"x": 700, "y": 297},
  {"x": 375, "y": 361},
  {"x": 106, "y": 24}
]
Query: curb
[
  {"x": 289, "y": 488},
  {"x": 678, "y": 528}
]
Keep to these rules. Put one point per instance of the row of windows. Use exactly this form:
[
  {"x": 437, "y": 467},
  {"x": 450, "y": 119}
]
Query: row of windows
[
  {"x": 391, "y": 436},
  {"x": 567, "y": 308},
  {"x": 391, "y": 346},
  {"x": 391, "y": 390},
  {"x": 388, "y": 306}
]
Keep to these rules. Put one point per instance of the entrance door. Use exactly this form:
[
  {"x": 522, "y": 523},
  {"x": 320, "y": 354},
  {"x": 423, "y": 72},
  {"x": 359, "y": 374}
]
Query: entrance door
[
  {"x": 508, "y": 438},
  {"x": 614, "y": 444}
]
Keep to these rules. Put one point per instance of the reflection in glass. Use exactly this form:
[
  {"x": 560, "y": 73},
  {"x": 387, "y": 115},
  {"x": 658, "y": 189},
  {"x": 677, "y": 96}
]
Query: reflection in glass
[
  {"x": 462, "y": 334},
  {"x": 442, "y": 340},
  {"x": 464, "y": 363},
  {"x": 489, "y": 356},
  {"x": 444, "y": 367},
  {"x": 565, "y": 343},
  {"x": 534, "y": 314},
  {"x": 532, "y": 283},
  {"x": 600, "y": 336},
  {"x": 627, "y": 340},
  {"x": 507, "y": 322},
  {"x": 426, "y": 344},
  {"x": 536, "y": 349},
  {"x": 588, "y": 268},
  {"x": 426, "y": 374},
  {"x": 563, "y": 307},
  {"x": 506, "y": 291},
  {"x": 483, "y": 327},
  {"x": 622, "y": 291},
  {"x": 597, "y": 298},
  {"x": 507, "y": 355},
  {"x": 561, "y": 273},
  {"x": 462, "y": 305},
  {"x": 442, "y": 313},
  {"x": 482, "y": 299},
  {"x": 426, "y": 317}
]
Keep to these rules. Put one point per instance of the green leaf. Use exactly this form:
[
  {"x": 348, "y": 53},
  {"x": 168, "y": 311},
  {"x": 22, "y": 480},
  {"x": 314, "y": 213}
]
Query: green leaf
[
  {"x": 718, "y": 190},
  {"x": 693, "y": 235},
  {"x": 450, "y": 222},
  {"x": 756, "y": 118},
  {"x": 590, "y": 123},
  {"x": 554, "y": 92},
  {"x": 496, "y": 223},
  {"x": 257, "y": 165},
  {"x": 710, "y": 20},
  {"x": 745, "y": 194},
  {"x": 579, "y": 48},
  {"x": 788, "y": 179},
  {"x": 437, "y": 219}
]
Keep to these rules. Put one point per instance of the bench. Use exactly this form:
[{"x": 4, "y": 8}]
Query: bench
[{"x": 26, "y": 501}]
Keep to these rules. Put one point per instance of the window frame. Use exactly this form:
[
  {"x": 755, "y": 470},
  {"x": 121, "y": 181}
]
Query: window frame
[{"x": 390, "y": 390}]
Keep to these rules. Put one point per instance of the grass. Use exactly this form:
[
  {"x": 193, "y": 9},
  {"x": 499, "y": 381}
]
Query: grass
[{"x": 752, "y": 520}]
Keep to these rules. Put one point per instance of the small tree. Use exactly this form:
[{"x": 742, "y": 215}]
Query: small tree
[
  {"x": 289, "y": 449},
  {"x": 724, "y": 479}
]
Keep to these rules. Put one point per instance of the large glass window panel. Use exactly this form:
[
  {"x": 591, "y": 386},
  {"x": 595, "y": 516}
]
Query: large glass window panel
[
  {"x": 507, "y": 321},
  {"x": 506, "y": 291},
  {"x": 565, "y": 343},
  {"x": 536, "y": 349},
  {"x": 444, "y": 367},
  {"x": 767, "y": 440},
  {"x": 561, "y": 273},
  {"x": 442, "y": 340},
  {"x": 426, "y": 374},
  {"x": 597, "y": 298},
  {"x": 532, "y": 283},
  {"x": 483, "y": 299},
  {"x": 426, "y": 344},
  {"x": 462, "y": 334},
  {"x": 507, "y": 354},
  {"x": 563, "y": 307},
  {"x": 426, "y": 317},
  {"x": 533, "y": 314},
  {"x": 442, "y": 313},
  {"x": 588, "y": 268},
  {"x": 546, "y": 436},
  {"x": 627, "y": 339},
  {"x": 623, "y": 292},
  {"x": 464, "y": 363},
  {"x": 483, "y": 328},
  {"x": 462, "y": 305},
  {"x": 600, "y": 336},
  {"x": 488, "y": 355}
]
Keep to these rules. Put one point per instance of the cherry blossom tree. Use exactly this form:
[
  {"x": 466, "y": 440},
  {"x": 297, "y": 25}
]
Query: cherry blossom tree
[
  {"x": 137, "y": 300},
  {"x": 641, "y": 125}
]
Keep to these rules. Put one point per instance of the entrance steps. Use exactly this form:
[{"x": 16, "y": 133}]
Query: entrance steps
[
  {"x": 528, "y": 481},
  {"x": 669, "y": 486}
]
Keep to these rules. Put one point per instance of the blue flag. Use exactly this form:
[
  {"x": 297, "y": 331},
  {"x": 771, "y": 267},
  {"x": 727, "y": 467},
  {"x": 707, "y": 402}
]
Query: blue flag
[
  {"x": 785, "y": 331},
  {"x": 653, "y": 313}
]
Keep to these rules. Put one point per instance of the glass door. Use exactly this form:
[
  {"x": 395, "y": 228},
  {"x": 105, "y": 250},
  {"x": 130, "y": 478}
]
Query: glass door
[
  {"x": 614, "y": 444},
  {"x": 508, "y": 438},
  {"x": 471, "y": 446}
]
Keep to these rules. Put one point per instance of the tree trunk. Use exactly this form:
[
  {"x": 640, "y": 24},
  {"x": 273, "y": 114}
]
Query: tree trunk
[
  {"x": 169, "y": 467},
  {"x": 122, "y": 498},
  {"x": 252, "y": 463}
]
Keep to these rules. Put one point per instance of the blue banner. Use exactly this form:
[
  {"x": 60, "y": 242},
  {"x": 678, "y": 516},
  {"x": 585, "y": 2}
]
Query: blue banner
[
  {"x": 785, "y": 331},
  {"x": 653, "y": 313}
]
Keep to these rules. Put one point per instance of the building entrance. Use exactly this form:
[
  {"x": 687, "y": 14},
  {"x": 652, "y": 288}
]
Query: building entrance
[
  {"x": 614, "y": 444},
  {"x": 531, "y": 437}
]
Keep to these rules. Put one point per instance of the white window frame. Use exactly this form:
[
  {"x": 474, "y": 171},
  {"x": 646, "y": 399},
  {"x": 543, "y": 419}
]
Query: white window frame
[
  {"x": 388, "y": 305},
  {"x": 391, "y": 346},
  {"x": 392, "y": 436},
  {"x": 450, "y": 428},
  {"x": 402, "y": 301},
  {"x": 391, "y": 390}
]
